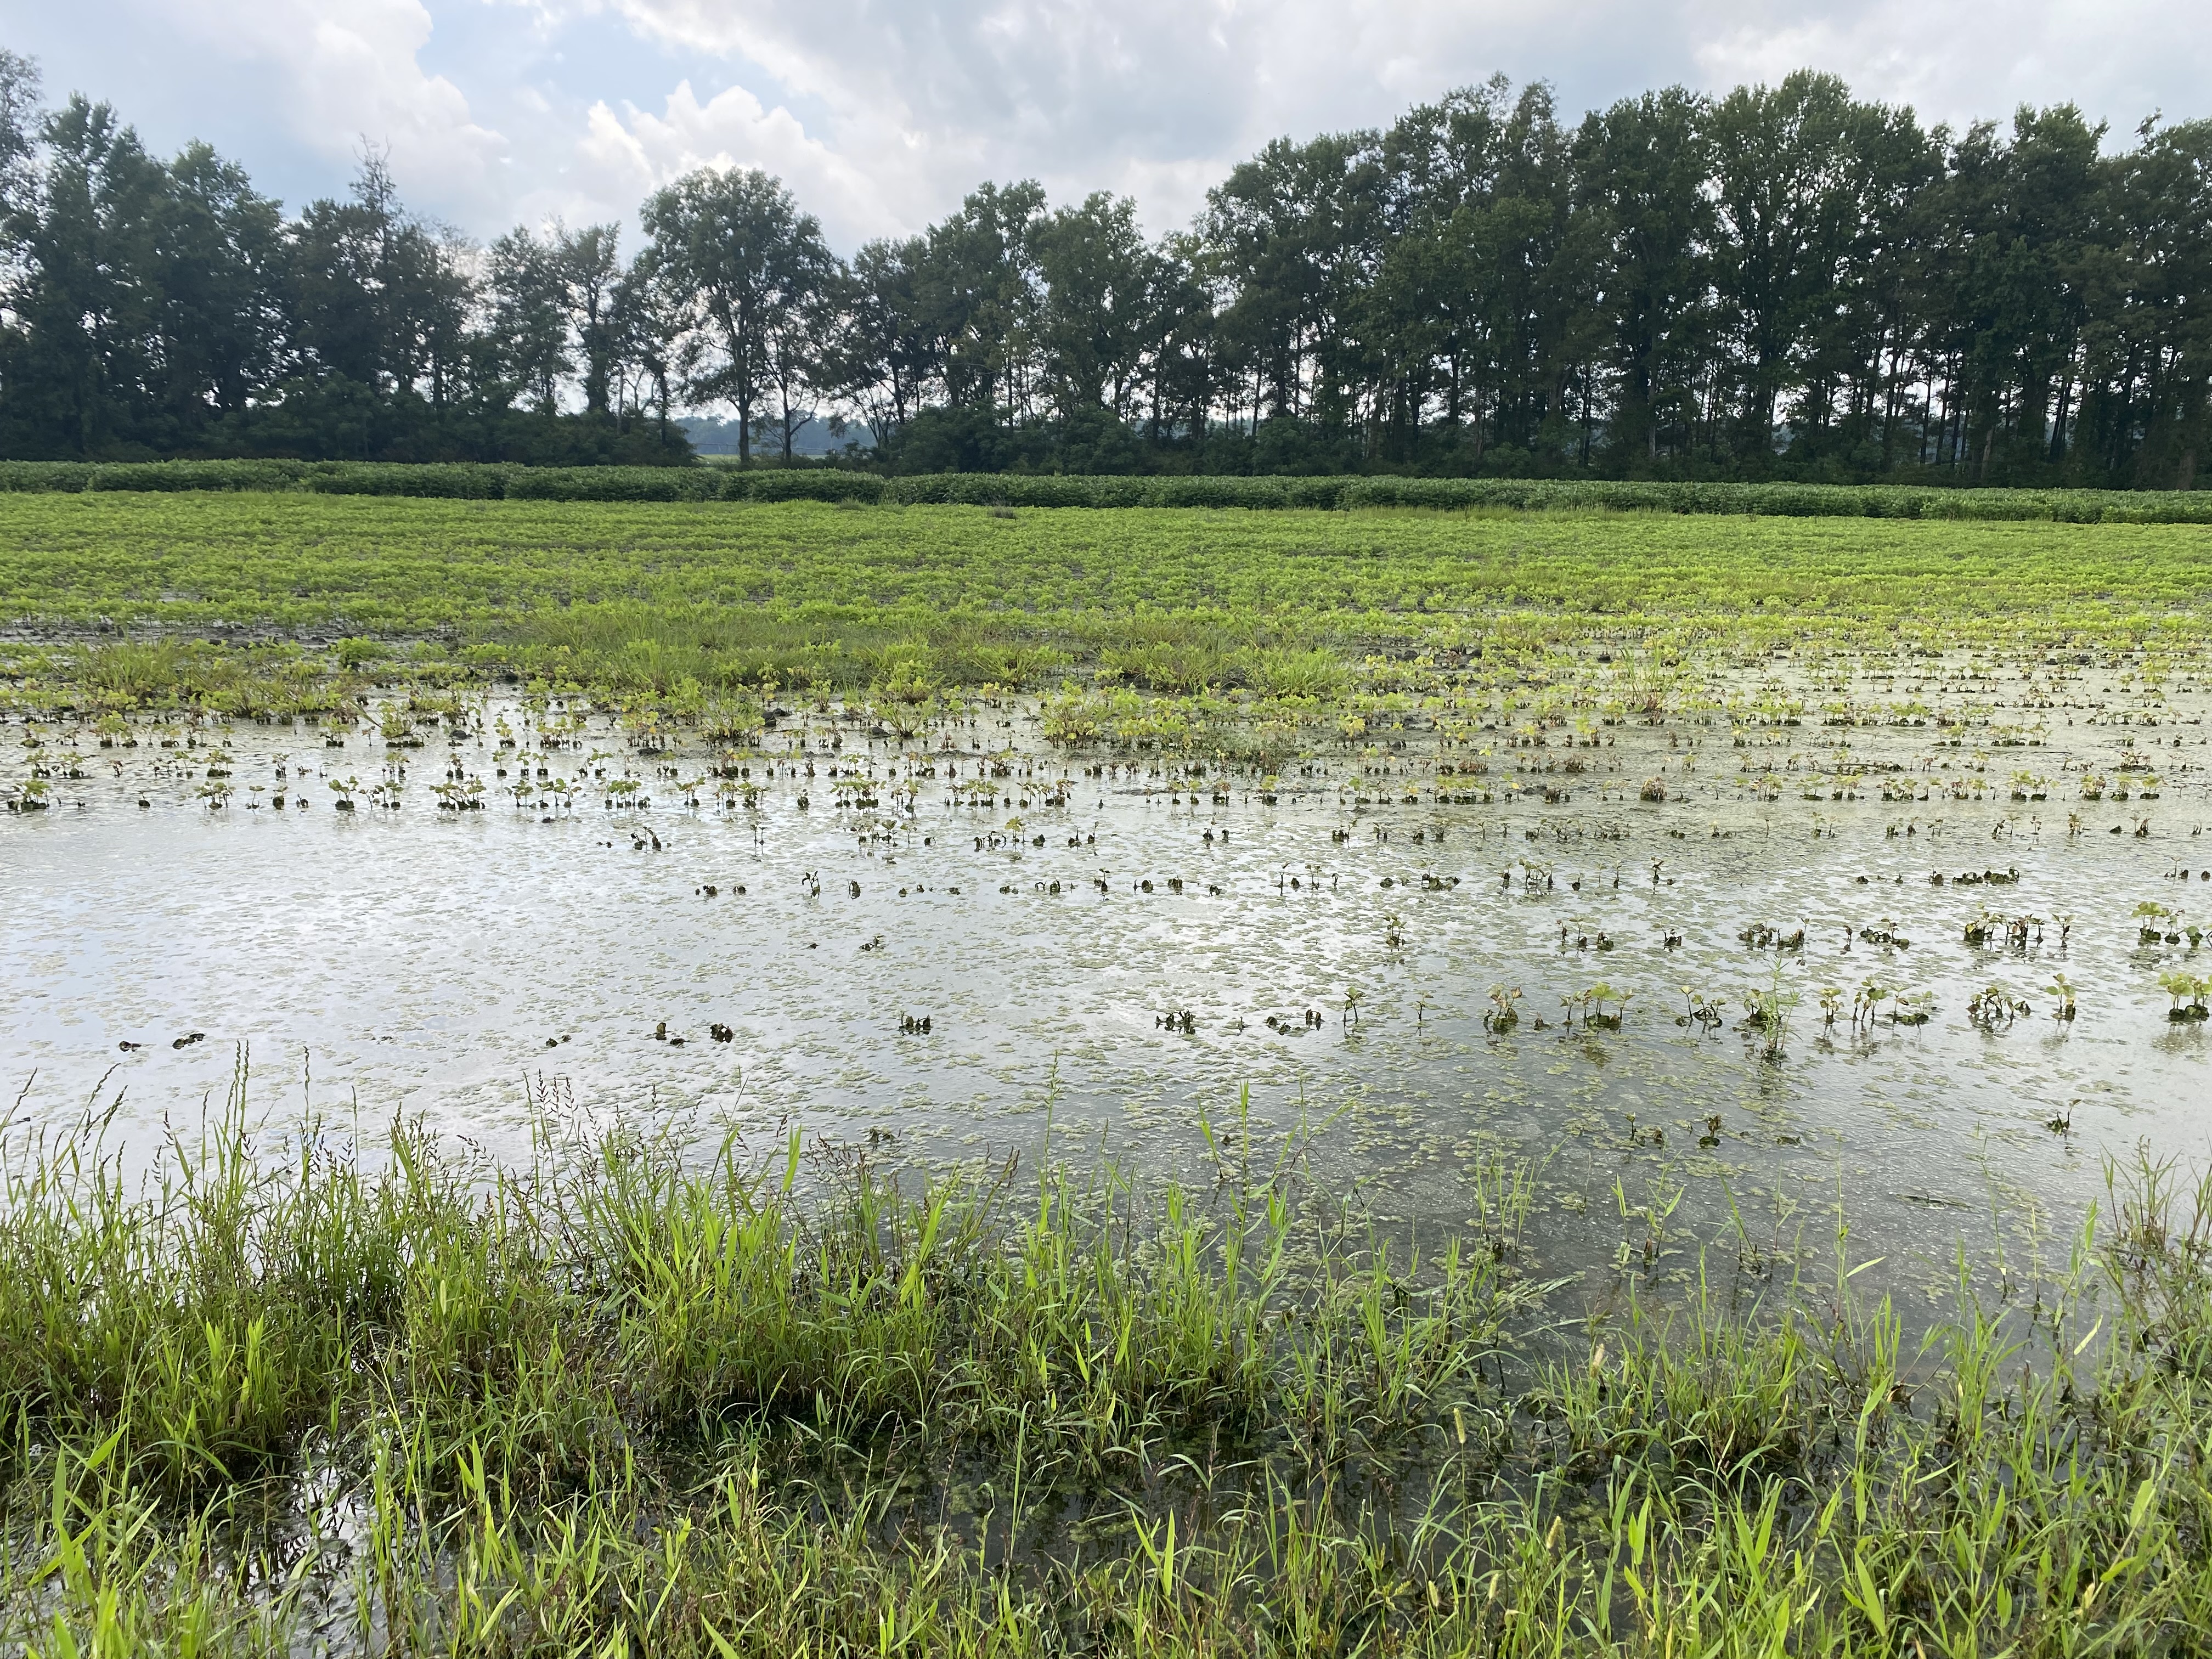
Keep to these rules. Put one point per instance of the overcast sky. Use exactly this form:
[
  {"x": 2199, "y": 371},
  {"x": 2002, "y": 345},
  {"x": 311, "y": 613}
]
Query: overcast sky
[{"x": 881, "y": 113}]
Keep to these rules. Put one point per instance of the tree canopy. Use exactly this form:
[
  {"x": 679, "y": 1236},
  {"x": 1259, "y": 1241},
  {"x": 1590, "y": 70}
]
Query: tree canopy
[{"x": 1783, "y": 282}]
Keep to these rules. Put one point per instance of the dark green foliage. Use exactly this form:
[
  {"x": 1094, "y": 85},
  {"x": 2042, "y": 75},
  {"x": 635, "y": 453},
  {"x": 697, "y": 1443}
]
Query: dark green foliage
[
  {"x": 1781, "y": 283},
  {"x": 617, "y": 484}
]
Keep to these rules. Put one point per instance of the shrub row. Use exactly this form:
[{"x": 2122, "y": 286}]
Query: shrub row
[
  {"x": 700, "y": 483},
  {"x": 1533, "y": 494},
  {"x": 448, "y": 480}
]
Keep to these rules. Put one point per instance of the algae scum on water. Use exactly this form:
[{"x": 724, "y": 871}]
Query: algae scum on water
[{"x": 755, "y": 1079}]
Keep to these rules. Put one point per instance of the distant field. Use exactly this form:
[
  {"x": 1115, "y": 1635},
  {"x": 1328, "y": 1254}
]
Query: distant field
[
  {"x": 404, "y": 566},
  {"x": 599, "y": 593}
]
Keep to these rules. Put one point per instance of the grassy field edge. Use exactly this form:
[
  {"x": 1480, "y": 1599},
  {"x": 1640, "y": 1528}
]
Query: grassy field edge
[{"x": 632, "y": 1400}]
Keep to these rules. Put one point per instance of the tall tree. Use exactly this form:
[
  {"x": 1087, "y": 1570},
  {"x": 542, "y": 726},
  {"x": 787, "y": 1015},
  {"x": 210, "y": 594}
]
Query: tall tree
[
  {"x": 1787, "y": 181},
  {"x": 977, "y": 293},
  {"x": 735, "y": 246},
  {"x": 1642, "y": 168},
  {"x": 217, "y": 264},
  {"x": 529, "y": 298},
  {"x": 1296, "y": 227},
  {"x": 797, "y": 358},
  {"x": 1100, "y": 282},
  {"x": 589, "y": 265},
  {"x": 89, "y": 322},
  {"x": 646, "y": 319},
  {"x": 878, "y": 354},
  {"x": 2150, "y": 309}
]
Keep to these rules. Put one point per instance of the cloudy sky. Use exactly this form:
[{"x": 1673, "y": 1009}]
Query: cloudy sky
[{"x": 880, "y": 114}]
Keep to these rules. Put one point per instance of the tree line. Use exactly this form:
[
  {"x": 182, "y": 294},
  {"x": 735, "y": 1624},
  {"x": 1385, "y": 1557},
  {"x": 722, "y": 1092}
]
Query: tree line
[{"x": 1784, "y": 282}]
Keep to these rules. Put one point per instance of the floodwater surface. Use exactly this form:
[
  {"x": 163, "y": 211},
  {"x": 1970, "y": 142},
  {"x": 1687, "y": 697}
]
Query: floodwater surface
[{"x": 1161, "y": 966}]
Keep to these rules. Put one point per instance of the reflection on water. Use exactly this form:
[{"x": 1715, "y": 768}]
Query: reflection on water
[{"x": 459, "y": 964}]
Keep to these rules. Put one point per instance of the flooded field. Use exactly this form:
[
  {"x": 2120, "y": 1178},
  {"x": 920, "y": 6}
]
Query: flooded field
[
  {"x": 621, "y": 1080},
  {"x": 1826, "y": 964}
]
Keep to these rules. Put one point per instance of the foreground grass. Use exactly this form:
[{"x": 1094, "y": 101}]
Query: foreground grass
[
  {"x": 680, "y": 601},
  {"x": 624, "y": 1402}
]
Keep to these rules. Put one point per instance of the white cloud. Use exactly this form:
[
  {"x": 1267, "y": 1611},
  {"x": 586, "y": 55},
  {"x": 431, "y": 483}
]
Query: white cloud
[
  {"x": 623, "y": 157},
  {"x": 1159, "y": 98},
  {"x": 1154, "y": 98},
  {"x": 880, "y": 114},
  {"x": 338, "y": 71},
  {"x": 2119, "y": 59}
]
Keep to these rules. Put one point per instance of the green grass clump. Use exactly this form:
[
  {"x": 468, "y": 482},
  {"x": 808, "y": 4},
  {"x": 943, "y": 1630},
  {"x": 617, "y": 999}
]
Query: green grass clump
[{"x": 628, "y": 1399}]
